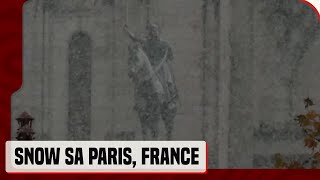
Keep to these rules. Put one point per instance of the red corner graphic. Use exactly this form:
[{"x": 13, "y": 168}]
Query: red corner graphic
[{"x": 314, "y": 4}]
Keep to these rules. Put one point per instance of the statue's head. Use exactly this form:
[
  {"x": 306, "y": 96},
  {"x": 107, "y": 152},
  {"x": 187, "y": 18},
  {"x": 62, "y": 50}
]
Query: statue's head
[{"x": 153, "y": 32}]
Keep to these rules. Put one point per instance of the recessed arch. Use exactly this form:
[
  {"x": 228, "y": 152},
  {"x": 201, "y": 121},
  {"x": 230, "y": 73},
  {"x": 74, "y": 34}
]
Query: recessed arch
[{"x": 79, "y": 86}]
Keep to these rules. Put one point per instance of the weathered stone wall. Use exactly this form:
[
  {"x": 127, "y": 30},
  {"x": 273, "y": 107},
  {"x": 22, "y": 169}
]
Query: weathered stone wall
[
  {"x": 242, "y": 69},
  {"x": 284, "y": 33}
]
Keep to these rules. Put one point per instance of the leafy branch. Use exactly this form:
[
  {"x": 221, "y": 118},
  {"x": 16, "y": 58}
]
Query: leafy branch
[{"x": 310, "y": 124}]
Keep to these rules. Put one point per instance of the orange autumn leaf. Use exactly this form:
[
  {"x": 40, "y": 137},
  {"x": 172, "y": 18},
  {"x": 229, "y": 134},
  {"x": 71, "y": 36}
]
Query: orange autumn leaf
[
  {"x": 295, "y": 165},
  {"x": 316, "y": 126},
  {"x": 311, "y": 115},
  {"x": 303, "y": 120},
  {"x": 310, "y": 142}
]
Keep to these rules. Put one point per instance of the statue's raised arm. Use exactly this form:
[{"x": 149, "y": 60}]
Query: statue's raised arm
[{"x": 131, "y": 35}]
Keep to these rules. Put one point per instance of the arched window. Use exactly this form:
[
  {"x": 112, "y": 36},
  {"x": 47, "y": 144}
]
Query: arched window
[{"x": 79, "y": 87}]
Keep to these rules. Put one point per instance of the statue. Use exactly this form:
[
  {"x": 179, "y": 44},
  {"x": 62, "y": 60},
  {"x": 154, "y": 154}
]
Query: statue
[
  {"x": 25, "y": 131},
  {"x": 150, "y": 69}
]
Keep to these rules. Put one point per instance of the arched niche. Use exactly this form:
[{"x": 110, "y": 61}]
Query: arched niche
[{"x": 79, "y": 87}]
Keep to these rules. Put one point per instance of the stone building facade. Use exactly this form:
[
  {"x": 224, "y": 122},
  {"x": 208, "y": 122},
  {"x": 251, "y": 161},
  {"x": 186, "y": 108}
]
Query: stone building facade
[{"x": 242, "y": 69}]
